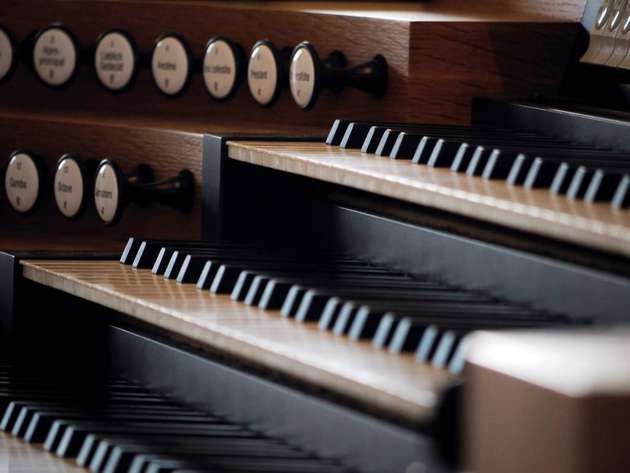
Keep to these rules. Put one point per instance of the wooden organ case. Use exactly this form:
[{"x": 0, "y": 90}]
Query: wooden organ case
[{"x": 314, "y": 236}]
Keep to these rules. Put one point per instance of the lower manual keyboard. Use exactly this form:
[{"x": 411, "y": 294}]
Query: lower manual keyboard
[
  {"x": 387, "y": 339},
  {"x": 124, "y": 428}
]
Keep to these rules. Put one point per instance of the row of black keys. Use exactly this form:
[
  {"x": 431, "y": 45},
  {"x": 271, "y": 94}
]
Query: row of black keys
[
  {"x": 125, "y": 429},
  {"x": 530, "y": 160},
  {"x": 342, "y": 294}
]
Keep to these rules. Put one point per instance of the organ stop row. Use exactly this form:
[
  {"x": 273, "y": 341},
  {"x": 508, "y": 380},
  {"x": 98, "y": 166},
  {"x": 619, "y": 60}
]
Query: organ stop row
[
  {"x": 56, "y": 56},
  {"x": 421, "y": 268}
]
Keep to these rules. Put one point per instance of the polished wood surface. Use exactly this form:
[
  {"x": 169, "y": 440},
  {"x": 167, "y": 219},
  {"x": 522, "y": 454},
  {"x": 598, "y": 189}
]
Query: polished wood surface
[
  {"x": 129, "y": 144},
  {"x": 17, "y": 456},
  {"x": 442, "y": 10},
  {"x": 548, "y": 402},
  {"x": 396, "y": 385},
  {"x": 439, "y": 57},
  {"x": 536, "y": 211}
]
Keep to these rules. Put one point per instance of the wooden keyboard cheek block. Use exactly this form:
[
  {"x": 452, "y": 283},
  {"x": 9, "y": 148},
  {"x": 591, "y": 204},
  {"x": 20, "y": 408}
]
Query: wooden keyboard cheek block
[{"x": 548, "y": 403}]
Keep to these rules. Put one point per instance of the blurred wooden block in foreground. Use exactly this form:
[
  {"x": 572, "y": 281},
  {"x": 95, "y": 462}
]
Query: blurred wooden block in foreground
[{"x": 548, "y": 402}]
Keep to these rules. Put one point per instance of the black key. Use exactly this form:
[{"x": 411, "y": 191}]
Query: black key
[
  {"x": 444, "y": 153},
  {"x": 479, "y": 159},
  {"x": 373, "y": 139},
  {"x": 602, "y": 186},
  {"x": 129, "y": 251},
  {"x": 256, "y": 290},
  {"x": 445, "y": 349},
  {"x": 518, "y": 172},
  {"x": 621, "y": 199},
  {"x": 337, "y": 130},
  {"x": 274, "y": 294},
  {"x": 344, "y": 320},
  {"x": 428, "y": 343},
  {"x": 562, "y": 179},
  {"x": 579, "y": 184},
  {"x": 499, "y": 165},
  {"x": 292, "y": 301},
  {"x": 385, "y": 331},
  {"x": 462, "y": 157},
  {"x": 355, "y": 135},
  {"x": 365, "y": 324},
  {"x": 405, "y": 145},
  {"x": 145, "y": 256},
  {"x": 386, "y": 143},
  {"x": 424, "y": 149},
  {"x": 311, "y": 306},
  {"x": 330, "y": 313},
  {"x": 541, "y": 173}
]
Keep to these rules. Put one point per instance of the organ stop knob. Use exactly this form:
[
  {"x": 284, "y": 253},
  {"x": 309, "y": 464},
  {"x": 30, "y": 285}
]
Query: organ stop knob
[
  {"x": 171, "y": 64},
  {"x": 309, "y": 75},
  {"x": 113, "y": 190},
  {"x": 115, "y": 60},
  {"x": 56, "y": 56},
  {"x": 266, "y": 72},
  {"x": 25, "y": 181},
  {"x": 223, "y": 67},
  {"x": 71, "y": 184}
]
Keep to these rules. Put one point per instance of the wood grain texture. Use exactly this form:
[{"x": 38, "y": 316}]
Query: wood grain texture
[
  {"x": 451, "y": 62},
  {"x": 564, "y": 395},
  {"x": 426, "y": 54},
  {"x": 442, "y": 10},
  {"x": 536, "y": 211},
  {"x": 167, "y": 151},
  {"x": 168, "y": 146},
  {"x": 393, "y": 384}
]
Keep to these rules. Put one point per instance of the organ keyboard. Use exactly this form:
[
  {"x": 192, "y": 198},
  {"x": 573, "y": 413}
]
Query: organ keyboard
[{"x": 422, "y": 278}]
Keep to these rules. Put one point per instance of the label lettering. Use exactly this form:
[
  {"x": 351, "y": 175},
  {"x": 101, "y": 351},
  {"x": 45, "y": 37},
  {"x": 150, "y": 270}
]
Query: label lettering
[
  {"x": 259, "y": 74},
  {"x": 218, "y": 69},
  {"x": 302, "y": 77},
  {"x": 103, "y": 193},
  {"x": 167, "y": 66},
  {"x": 61, "y": 187},
  {"x": 18, "y": 183}
]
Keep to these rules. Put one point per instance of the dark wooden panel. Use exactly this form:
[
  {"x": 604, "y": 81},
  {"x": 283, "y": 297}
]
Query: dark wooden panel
[
  {"x": 359, "y": 38},
  {"x": 436, "y": 63},
  {"x": 167, "y": 151},
  {"x": 501, "y": 60}
]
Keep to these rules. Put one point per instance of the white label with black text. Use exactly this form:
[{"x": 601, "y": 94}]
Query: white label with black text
[
  {"x": 114, "y": 61},
  {"x": 262, "y": 74},
  {"x": 21, "y": 182},
  {"x": 68, "y": 187},
  {"x": 219, "y": 69},
  {"x": 106, "y": 193},
  {"x": 302, "y": 77},
  {"x": 170, "y": 65},
  {"x": 55, "y": 57}
]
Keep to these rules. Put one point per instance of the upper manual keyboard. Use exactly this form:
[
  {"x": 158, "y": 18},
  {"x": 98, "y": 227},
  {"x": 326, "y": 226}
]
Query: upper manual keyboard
[{"x": 560, "y": 189}]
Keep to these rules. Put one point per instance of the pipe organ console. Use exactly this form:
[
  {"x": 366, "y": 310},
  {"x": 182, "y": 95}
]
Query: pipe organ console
[{"x": 314, "y": 237}]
